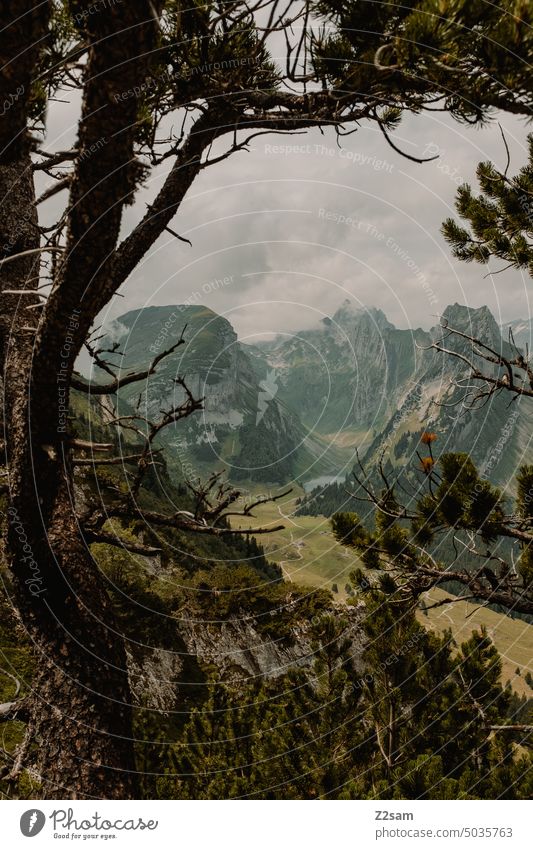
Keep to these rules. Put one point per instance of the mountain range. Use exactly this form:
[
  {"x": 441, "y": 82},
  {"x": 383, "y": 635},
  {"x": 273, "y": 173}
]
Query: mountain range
[{"x": 297, "y": 407}]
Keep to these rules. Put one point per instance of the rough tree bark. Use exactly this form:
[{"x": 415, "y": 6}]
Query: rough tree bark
[{"x": 79, "y": 735}]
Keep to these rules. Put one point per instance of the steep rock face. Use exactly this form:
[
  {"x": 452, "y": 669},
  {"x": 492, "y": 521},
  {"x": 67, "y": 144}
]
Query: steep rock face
[
  {"x": 240, "y": 652},
  {"x": 210, "y": 357},
  {"x": 439, "y": 398},
  {"x": 154, "y": 675},
  {"x": 347, "y": 373},
  {"x": 244, "y": 424},
  {"x": 296, "y": 407},
  {"x": 235, "y": 647}
]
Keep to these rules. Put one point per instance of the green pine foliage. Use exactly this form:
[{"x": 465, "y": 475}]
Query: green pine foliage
[
  {"x": 472, "y": 53},
  {"x": 281, "y": 739},
  {"x": 499, "y": 218},
  {"x": 405, "y": 538},
  {"x": 412, "y": 722}
]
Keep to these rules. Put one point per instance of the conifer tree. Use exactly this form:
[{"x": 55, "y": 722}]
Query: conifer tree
[
  {"x": 414, "y": 721},
  {"x": 428, "y": 711},
  {"x": 402, "y": 549},
  {"x": 499, "y": 217},
  {"x": 291, "y": 737}
]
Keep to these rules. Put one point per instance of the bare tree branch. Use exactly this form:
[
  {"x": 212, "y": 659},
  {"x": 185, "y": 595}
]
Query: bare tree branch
[
  {"x": 517, "y": 376},
  {"x": 122, "y": 380},
  {"x": 118, "y": 541}
]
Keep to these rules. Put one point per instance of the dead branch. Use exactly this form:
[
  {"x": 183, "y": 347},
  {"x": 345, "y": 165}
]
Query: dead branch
[
  {"x": 517, "y": 376},
  {"x": 183, "y": 521},
  {"x": 30, "y": 252},
  {"x": 168, "y": 417},
  {"x": 119, "y": 381},
  {"x": 87, "y": 445},
  {"x": 60, "y": 186},
  {"x": 119, "y": 542},
  {"x": 18, "y": 710},
  {"x": 52, "y": 159},
  {"x": 106, "y": 461}
]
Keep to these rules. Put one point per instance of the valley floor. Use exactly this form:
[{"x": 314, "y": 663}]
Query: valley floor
[
  {"x": 305, "y": 549},
  {"x": 309, "y": 554},
  {"x": 512, "y": 637}
]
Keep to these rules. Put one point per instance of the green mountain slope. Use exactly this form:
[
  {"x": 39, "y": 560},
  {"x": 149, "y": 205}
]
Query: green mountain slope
[{"x": 297, "y": 408}]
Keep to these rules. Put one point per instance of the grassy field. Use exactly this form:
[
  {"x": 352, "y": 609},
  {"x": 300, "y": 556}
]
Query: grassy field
[
  {"x": 512, "y": 637},
  {"x": 306, "y": 549},
  {"x": 308, "y": 554}
]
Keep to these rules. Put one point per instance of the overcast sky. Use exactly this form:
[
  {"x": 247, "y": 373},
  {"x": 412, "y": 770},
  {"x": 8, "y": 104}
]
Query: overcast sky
[{"x": 283, "y": 234}]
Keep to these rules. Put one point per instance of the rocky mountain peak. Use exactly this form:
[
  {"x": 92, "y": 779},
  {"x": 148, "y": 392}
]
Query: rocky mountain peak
[
  {"x": 350, "y": 315},
  {"x": 477, "y": 322},
  {"x": 356, "y": 376}
]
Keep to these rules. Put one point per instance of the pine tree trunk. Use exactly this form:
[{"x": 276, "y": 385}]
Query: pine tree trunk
[{"x": 79, "y": 735}]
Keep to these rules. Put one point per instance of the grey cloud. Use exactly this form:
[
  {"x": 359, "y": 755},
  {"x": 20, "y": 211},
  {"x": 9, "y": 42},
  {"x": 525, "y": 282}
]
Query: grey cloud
[{"x": 257, "y": 218}]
